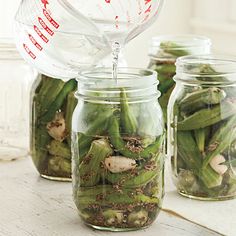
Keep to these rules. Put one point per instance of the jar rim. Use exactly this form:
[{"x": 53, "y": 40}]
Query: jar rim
[
  {"x": 131, "y": 72},
  {"x": 170, "y": 47},
  {"x": 185, "y": 40},
  {"x": 98, "y": 82},
  {"x": 208, "y": 66}
]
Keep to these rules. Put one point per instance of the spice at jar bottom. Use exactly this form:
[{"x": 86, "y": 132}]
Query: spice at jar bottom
[
  {"x": 118, "y": 162},
  {"x": 202, "y": 128}
]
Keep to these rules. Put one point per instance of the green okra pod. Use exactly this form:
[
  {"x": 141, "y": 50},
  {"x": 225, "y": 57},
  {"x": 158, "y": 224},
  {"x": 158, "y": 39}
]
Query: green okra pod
[
  {"x": 70, "y": 107},
  {"x": 128, "y": 198},
  {"x": 174, "y": 49},
  {"x": 92, "y": 111},
  {"x": 60, "y": 165},
  {"x": 58, "y": 102},
  {"x": 39, "y": 144},
  {"x": 208, "y": 73},
  {"x": 201, "y": 98},
  {"x": 98, "y": 127},
  {"x": 163, "y": 77},
  {"x": 90, "y": 167},
  {"x": 107, "y": 196},
  {"x": 189, "y": 152},
  {"x": 127, "y": 180},
  {"x": 120, "y": 144},
  {"x": 209, "y": 116},
  {"x": 127, "y": 118},
  {"x": 166, "y": 85},
  {"x": 164, "y": 100},
  {"x": 164, "y": 69},
  {"x": 39, "y": 93},
  {"x": 52, "y": 92},
  {"x": 56, "y": 148},
  {"x": 199, "y": 135},
  {"x": 221, "y": 140},
  {"x": 41, "y": 85},
  {"x": 47, "y": 85}
]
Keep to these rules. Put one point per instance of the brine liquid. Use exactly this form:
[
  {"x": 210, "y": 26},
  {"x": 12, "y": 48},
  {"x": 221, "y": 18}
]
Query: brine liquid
[{"x": 124, "y": 200}]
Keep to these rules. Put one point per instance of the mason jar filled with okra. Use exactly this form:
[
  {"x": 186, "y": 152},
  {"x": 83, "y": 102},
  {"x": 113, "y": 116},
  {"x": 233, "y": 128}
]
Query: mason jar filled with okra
[
  {"x": 118, "y": 149},
  {"x": 164, "y": 50},
  {"x": 202, "y": 127},
  {"x": 52, "y": 105}
]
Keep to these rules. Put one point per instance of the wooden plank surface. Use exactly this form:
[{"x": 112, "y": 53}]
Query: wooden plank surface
[
  {"x": 217, "y": 215},
  {"x": 32, "y": 206}
]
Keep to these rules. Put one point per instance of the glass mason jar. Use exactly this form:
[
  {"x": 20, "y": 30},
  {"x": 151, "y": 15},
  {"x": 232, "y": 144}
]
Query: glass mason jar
[
  {"x": 202, "y": 128},
  {"x": 16, "y": 79},
  {"x": 118, "y": 149},
  {"x": 52, "y": 104},
  {"x": 164, "y": 51}
]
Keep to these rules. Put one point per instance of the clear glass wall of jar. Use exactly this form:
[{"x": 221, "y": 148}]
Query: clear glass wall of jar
[
  {"x": 164, "y": 51},
  {"x": 118, "y": 149},
  {"x": 15, "y": 81},
  {"x": 52, "y": 106},
  {"x": 202, "y": 128}
]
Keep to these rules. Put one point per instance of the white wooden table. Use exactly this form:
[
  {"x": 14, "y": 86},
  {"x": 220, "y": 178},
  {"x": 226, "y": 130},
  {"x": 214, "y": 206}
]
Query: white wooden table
[{"x": 32, "y": 206}]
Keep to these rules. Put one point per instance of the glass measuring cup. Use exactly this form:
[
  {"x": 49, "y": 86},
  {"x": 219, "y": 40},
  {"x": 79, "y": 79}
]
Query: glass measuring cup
[{"x": 61, "y": 37}]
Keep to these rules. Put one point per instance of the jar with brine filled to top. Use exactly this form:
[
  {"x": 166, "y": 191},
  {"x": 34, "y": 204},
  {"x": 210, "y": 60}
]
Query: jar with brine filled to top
[
  {"x": 163, "y": 53},
  {"x": 118, "y": 149},
  {"x": 202, "y": 127}
]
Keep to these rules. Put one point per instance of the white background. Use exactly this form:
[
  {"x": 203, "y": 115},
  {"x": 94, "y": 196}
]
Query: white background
[{"x": 213, "y": 18}]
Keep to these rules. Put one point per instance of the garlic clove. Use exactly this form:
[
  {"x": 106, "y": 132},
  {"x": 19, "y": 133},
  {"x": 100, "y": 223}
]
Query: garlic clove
[
  {"x": 118, "y": 164},
  {"x": 216, "y": 164},
  {"x": 113, "y": 216},
  {"x": 138, "y": 218},
  {"x": 57, "y": 127}
]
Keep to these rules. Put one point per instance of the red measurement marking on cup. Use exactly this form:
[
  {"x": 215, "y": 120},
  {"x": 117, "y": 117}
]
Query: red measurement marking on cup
[
  {"x": 43, "y": 24},
  {"x": 108, "y": 1},
  {"x": 148, "y": 10},
  {"x": 50, "y": 19},
  {"x": 29, "y": 51},
  {"x": 40, "y": 34},
  {"x": 45, "y": 3},
  {"x": 117, "y": 21},
  {"x": 33, "y": 40}
]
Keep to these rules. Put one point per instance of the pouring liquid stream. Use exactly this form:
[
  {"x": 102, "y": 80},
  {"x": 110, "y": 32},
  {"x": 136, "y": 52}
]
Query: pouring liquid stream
[{"x": 115, "y": 59}]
